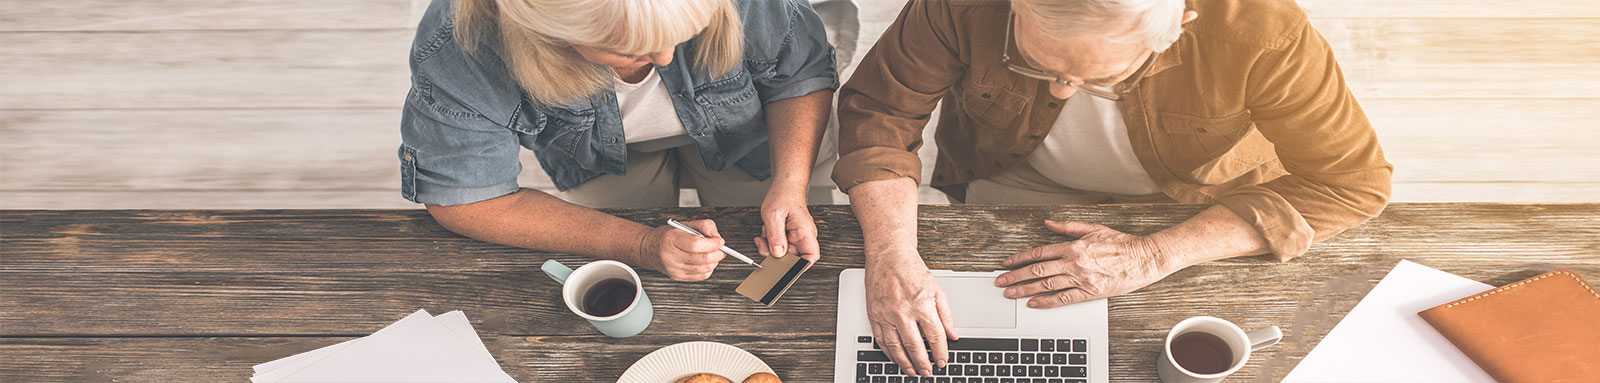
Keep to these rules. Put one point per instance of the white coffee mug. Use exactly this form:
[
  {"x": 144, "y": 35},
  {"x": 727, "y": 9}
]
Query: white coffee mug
[
  {"x": 630, "y": 321},
  {"x": 1237, "y": 343}
]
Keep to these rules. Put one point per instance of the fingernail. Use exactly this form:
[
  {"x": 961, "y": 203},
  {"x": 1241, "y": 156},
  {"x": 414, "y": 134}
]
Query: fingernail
[
  {"x": 778, "y": 251},
  {"x": 1033, "y": 304},
  {"x": 1011, "y": 293},
  {"x": 927, "y": 372}
]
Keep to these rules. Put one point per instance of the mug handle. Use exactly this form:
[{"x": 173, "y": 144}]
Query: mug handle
[
  {"x": 1264, "y": 338},
  {"x": 556, "y": 270}
]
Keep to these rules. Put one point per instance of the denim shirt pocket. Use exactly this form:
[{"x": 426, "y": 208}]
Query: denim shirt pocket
[
  {"x": 730, "y": 103},
  {"x": 563, "y": 129}
]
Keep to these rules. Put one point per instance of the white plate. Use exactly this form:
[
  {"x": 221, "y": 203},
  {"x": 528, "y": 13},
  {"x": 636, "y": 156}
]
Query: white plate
[{"x": 668, "y": 364}]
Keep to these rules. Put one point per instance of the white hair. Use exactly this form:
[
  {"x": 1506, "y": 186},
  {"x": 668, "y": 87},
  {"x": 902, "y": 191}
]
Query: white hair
[
  {"x": 1158, "y": 25},
  {"x": 538, "y": 38}
]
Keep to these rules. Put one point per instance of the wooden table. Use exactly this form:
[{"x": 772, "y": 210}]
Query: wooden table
[{"x": 172, "y": 296}]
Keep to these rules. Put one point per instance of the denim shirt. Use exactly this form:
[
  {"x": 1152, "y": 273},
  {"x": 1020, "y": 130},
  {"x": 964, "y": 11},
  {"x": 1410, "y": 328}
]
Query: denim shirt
[{"x": 465, "y": 117}]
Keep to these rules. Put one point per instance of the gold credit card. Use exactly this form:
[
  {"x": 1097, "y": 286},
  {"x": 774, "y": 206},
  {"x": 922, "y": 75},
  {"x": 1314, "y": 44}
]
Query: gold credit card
[{"x": 768, "y": 283}]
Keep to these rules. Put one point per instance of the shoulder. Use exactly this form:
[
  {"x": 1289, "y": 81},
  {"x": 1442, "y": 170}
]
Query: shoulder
[
  {"x": 449, "y": 80},
  {"x": 769, "y": 25},
  {"x": 1268, "y": 24}
]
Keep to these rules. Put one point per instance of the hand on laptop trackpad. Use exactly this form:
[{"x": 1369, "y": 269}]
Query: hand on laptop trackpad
[{"x": 977, "y": 303}]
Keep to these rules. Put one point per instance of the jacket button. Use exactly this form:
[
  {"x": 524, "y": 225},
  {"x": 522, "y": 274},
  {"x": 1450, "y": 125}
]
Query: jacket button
[
  {"x": 1054, "y": 105},
  {"x": 408, "y": 157},
  {"x": 613, "y": 140}
]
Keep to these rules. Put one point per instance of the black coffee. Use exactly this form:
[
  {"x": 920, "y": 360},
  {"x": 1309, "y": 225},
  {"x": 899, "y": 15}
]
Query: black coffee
[
  {"x": 608, "y": 297},
  {"x": 1202, "y": 353}
]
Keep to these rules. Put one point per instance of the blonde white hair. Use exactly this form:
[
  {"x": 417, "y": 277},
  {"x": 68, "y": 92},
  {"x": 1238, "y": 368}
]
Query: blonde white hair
[
  {"x": 1158, "y": 25},
  {"x": 537, "y": 38}
]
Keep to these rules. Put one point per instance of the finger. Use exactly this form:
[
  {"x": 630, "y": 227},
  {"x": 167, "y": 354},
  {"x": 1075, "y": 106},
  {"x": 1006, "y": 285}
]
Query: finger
[
  {"x": 1028, "y": 256},
  {"x": 933, "y": 331},
  {"x": 893, "y": 347},
  {"x": 1060, "y": 299},
  {"x": 946, "y": 317},
  {"x": 761, "y": 246},
  {"x": 910, "y": 333},
  {"x": 695, "y": 245},
  {"x": 1073, "y": 228},
  {"x": 705, "y": 226},
  {"x": 1029, "y": 272},
  {"x": 773, "y": 226},
  {"x": 804, "y": 241},
  {"x": 1055, "y": 283}
]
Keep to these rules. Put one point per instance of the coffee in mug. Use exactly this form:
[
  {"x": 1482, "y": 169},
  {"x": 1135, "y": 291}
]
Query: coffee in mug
[
  {"x": 608, "y": 297},
  {"x": 1202, "y": 353},
  {"x": 1207, "y": 349}
]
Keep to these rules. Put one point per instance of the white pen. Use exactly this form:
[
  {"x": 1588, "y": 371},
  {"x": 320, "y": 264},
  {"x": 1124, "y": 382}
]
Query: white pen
[{"x": 725, "y": 249}]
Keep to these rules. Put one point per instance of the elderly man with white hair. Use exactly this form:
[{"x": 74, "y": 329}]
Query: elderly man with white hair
[{"x": 1234, "y": 103}]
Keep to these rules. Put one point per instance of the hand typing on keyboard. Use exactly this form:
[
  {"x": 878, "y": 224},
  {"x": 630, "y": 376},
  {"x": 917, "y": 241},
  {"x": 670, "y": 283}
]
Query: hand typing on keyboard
[{"x": 907, "y": 307}]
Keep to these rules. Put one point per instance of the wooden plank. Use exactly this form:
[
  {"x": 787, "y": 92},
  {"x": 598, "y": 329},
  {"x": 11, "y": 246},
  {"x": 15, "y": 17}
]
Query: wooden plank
[
  {"x": 205, "y": 199},
  {"x": 1382, "y": 58},
  {"x": 204, "y": 69},
  {"x": 1489, "y": 140},
  {"x": 1455, "y": 9},
  {"x": 314, "y": 272},
  {"x": 266, "y": 152},
  {"x": 1519, "y": 192},
  {"x": 168, "y": 15},
  {"x": 1466, "y": 58},
  {"x": 329, "y": 275}
]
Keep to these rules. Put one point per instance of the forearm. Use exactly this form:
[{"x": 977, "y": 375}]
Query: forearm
[
  {"x": 535, "y": 220},
  {"x": 887, "y": 212},
  {"x": 795, "y": 129},
  {"x": 1216, "y": 233}
]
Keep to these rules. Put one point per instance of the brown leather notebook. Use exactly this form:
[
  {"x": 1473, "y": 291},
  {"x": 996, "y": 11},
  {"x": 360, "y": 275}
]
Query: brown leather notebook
[{"x": 1540, "y": 329}]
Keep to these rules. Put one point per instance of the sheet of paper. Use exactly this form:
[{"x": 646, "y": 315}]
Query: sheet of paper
[
  {"x": 1383, "y": 339},
  {"x": 302, "y": 360},
  {"x": 456, "y": 321},
  {"x": 419, "y": 348}
]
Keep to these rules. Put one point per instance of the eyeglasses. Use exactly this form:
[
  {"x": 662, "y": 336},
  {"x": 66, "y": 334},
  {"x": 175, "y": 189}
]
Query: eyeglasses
[{"x": 1101, "y": 92}]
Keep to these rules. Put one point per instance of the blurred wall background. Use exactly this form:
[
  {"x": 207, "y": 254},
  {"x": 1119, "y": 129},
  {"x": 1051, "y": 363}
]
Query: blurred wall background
[{"x": 295, "y": 103}]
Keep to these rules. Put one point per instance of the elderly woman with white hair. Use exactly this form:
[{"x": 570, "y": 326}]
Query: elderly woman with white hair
[
  {"x": 1238, "y": 104},
  {"x": 619, "y": 100}
]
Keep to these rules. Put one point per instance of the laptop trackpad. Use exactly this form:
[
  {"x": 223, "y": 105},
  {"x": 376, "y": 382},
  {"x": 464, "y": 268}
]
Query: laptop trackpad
[{"x": 977, "y": 303}]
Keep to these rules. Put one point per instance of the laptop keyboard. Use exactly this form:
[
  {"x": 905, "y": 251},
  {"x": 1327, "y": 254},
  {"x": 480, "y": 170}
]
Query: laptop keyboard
[{"x": 985, "y": 360}]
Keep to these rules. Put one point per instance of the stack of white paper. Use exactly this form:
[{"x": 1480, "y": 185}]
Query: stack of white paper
[
  {"x": 419, "y": 348},
  {"x": 1383, "y": 340}
]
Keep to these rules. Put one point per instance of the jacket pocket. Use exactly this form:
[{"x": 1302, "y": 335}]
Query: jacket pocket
[
  {"x": 1212, "y": 135},
  {"x": 993, "y": 106},
  {"x": 730, "y": 103}
]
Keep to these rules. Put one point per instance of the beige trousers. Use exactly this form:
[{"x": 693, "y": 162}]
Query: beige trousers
[
  {"x": 653, "y": 180},
  {"x": 1023, "y": 185}
]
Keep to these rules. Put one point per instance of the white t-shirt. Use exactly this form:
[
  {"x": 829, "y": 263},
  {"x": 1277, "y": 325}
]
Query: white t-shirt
[
  {"x": 1088, "y": 149},
  {"x": 647, "y": 112}
]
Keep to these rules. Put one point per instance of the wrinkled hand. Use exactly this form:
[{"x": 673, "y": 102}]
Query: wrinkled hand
[
  {"x": 682, "y": 256},
  {"x": 1099, "y": 264},
  {"x": 906, "y": 306},
  {"x": 787, "y": 227}
]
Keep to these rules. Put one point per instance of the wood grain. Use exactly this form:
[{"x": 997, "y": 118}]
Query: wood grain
[
  {"x": 204, "y": 69},
  {"x": 169, "y": 15},
  {"x": 1501, "y": 9},
  {"x": 176, "y": 295}
]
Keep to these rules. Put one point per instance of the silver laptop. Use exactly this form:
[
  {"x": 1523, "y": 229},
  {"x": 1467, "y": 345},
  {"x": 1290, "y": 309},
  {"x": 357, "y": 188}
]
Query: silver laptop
[{"x": 1002, "y": 340}]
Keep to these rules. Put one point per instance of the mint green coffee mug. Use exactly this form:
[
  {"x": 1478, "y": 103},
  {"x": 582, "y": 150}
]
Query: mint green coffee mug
[{"x": 606, "y": 293}]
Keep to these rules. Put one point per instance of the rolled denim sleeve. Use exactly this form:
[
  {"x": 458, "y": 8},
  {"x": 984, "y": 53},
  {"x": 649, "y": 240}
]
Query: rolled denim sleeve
[
  {"x": 451, "y": 156},
  {"x": 787, "y": 50}
]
